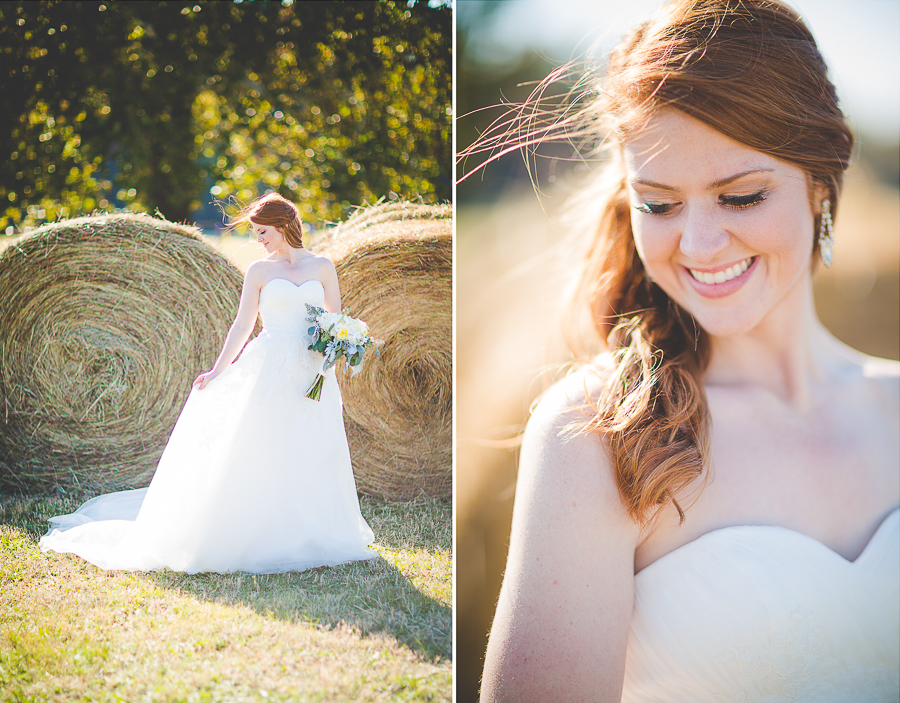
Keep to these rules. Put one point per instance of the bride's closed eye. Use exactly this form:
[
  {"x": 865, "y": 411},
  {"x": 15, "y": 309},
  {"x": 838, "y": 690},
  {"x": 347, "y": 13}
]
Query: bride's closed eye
[
  {"x": 735, "y": 202},
  {"x": 655, "y": 208},
  {"x": 740, "y": 202}
]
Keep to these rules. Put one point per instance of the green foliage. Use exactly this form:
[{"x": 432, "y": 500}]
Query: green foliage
[{"x": 156, "y": 105}]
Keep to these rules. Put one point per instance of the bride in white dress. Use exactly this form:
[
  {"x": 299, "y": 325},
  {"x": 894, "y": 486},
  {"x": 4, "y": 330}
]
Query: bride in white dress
[
  {"x": 706, "y": 512},
  {"x": 255, "y": 477}
]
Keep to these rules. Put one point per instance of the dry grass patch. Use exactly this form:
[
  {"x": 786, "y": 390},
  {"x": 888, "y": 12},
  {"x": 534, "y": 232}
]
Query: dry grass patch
[{"x": 371, "y": 631}]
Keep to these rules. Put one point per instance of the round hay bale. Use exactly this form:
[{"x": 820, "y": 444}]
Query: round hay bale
[
  {"x": 104, "y": 323},
  {"x": 394, "y": 263}
]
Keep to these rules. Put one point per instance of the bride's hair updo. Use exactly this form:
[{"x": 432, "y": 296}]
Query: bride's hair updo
[
  {"x": 274, "y": 211},
  {"x": 749, "y": 69}
]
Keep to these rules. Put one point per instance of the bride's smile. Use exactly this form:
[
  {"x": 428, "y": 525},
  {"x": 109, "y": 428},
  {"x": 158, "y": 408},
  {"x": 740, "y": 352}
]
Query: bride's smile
[{"x": 725, "y": 231}]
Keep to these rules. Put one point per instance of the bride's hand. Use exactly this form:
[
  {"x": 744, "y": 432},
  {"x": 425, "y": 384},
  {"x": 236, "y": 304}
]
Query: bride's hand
[{"x": 204, "y": 378}]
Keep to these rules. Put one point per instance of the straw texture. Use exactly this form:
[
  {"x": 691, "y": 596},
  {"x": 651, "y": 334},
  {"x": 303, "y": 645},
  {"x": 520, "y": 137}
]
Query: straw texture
[
  {"x": 104, "y": 323},
  {"x": 394, "y": 264}
]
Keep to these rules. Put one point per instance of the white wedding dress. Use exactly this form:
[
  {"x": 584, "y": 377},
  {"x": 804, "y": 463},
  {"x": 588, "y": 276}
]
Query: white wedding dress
[
  {"x": 256, "y": 477},
  {"x": 750, "y": 614}
]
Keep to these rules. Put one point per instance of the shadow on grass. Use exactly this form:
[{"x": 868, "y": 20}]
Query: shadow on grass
[
  {"x": 370, "y": 597},
  {"x": 386, "y": 595}
]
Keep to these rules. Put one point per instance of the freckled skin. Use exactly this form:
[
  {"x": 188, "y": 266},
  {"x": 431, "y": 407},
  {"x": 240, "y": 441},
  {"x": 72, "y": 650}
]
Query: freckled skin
[{"x": 701, "y": 231}]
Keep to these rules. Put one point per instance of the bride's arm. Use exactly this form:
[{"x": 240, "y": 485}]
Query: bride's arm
[
  {"x": 240, "y": 329},
  {"x": 561, "y": 627},
  {"x": 329, "y": 280}
]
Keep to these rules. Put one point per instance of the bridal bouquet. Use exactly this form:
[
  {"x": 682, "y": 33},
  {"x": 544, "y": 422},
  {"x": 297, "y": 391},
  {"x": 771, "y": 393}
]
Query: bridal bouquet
[{"x": 335, "y": 335}]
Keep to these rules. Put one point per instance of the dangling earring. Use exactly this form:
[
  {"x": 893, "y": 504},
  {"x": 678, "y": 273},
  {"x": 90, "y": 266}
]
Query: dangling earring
[{"x": 826, "y": 234}]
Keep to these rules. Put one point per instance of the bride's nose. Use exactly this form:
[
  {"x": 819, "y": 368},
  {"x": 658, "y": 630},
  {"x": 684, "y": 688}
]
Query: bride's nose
[{"x": 702, "y": 236}]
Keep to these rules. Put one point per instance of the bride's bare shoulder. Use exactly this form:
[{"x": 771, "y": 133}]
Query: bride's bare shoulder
[
  {"x": 886, "y": 370},
  {"x": 571, "y": 402},
  {"x": 884, "y": 375},
  {"x": 324, "y": 266},
  {"x": 559, "y": 448}
]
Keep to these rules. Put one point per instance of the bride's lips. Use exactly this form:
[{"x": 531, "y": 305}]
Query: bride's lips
[{"x": 720, "y": 290}]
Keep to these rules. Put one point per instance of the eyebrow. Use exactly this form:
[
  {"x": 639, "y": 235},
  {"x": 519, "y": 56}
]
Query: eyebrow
[{"x": 712, "y": 186}]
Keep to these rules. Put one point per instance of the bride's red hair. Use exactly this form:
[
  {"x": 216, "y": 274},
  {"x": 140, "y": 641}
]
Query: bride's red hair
[
  {"x": 275, "y": 211},
  {"x": 749, "y": 69}
]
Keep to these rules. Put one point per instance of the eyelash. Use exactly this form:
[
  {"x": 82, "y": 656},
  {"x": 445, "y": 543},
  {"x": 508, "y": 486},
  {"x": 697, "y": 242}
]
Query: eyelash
[{"x": 735, "y": 202}]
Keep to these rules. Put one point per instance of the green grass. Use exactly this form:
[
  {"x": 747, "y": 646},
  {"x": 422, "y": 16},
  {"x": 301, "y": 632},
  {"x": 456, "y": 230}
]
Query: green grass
[{"x": 378, "y": 630}]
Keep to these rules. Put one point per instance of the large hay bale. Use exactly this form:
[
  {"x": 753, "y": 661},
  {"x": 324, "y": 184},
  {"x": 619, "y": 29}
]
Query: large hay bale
[
  {"x": 394, "y": 263},
  {"x": 104, "y": 323}
]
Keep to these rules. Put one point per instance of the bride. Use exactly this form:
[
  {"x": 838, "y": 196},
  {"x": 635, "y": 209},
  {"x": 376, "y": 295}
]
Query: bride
[
  {"x": 707, "y": 510},
  {"x": 255, "y": 477}
]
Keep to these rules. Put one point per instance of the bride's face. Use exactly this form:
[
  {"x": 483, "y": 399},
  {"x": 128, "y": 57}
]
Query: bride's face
[
  {"x": 725, "y": 231},
  {"x": 270, "y": 237}
]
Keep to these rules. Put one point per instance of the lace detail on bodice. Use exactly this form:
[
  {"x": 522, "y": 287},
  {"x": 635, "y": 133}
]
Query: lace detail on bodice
[
  {"x": 788, "y": 666},
  {"x": 793, "y": 666}
]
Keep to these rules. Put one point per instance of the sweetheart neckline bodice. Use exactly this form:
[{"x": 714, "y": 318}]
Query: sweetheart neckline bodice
[
  {"x": 283, "y": 307},
  {"x": 295, "y": 285},
  {"x": 769, "y": 614},
  {"x": 709, "y": 540}
]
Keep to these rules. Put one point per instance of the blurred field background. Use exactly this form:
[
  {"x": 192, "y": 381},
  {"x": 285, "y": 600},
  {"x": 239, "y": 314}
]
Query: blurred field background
[{"x": 511, "y": 257}]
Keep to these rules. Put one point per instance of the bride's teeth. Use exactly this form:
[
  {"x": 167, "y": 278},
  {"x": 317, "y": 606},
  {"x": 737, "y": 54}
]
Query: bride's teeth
[{"x": 722, "y": 276}]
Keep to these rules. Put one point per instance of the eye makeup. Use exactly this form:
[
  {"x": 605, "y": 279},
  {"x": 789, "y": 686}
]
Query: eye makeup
[
  {"x": 735, "y": 202},
  {"x": 654, "y": 208},
  {"x": 740, "y": 202}
]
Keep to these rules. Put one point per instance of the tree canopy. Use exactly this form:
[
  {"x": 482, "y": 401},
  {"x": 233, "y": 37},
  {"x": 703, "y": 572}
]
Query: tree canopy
[{"x": 168, "y": 105}]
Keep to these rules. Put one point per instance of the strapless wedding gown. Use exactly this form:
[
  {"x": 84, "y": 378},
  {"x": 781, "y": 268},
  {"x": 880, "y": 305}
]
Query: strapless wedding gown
[
  {"x": 747, "y": 614},
  {"x": 256, "y": 477}
]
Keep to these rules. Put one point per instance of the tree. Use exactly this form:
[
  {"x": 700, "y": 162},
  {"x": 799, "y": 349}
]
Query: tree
[{"x": 153, "y": 105}]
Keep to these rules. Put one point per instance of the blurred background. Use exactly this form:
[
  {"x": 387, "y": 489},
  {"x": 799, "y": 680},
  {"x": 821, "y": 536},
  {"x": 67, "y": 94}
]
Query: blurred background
[
  {"x": 511, "y": 244},
  {"x": 169, "y": 106}
]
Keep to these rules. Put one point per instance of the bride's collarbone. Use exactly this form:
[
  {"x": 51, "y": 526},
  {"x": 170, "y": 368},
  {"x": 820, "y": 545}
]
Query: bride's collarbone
[
  {"x": 296, "y": 274},
  {"x": 849, "y": 427},
  {"x": 835, "y": 485}
]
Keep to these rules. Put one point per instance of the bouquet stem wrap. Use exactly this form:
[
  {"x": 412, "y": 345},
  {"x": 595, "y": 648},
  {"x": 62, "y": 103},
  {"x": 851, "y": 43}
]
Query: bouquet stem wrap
[{"x": 315, "y": 390}]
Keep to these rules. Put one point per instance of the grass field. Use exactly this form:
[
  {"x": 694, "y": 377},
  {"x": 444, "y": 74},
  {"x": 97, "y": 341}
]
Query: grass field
[{"x": 371, "y": 631}]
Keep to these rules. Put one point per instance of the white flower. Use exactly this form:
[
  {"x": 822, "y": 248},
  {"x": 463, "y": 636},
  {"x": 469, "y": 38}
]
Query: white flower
[
  {"x": 358, "y": 327},
  {"x": 328, "y": 319},
  {"x": 340, "y": 331}
]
